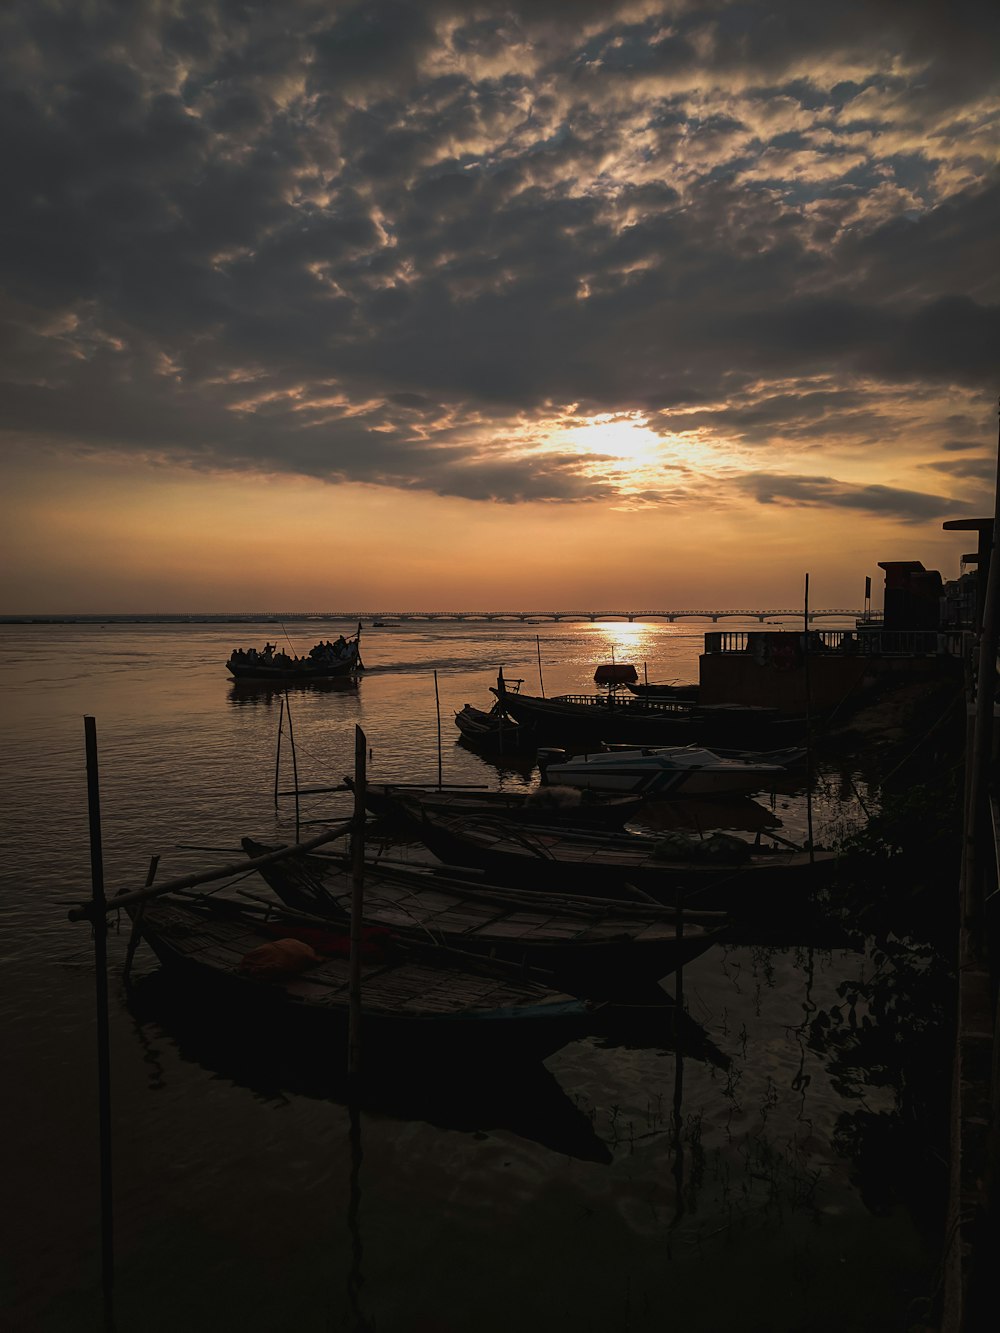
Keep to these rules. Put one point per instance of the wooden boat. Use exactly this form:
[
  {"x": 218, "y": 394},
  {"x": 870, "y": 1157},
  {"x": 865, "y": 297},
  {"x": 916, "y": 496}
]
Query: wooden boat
[
  {"x": 599, "y": 719},
  {"x": 719, "y": 871},
  {"x": 672, "y": 691},
  {"x": 661, "y": 771},
  {"x": 325, "y": 661},
  {"x": 592, "y": 948},
  {"x": 493, "y": 730},
  {"x": 418, "y": 1001},
  {"x": 543, "y": 805}
]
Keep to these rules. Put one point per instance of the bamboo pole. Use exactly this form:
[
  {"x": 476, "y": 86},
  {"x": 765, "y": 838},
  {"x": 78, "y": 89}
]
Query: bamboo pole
[
  {"x": 437, "y": 705},
  {"x": 538, "y": 650},
  {"x": 809, "y": 768},
  {"x": 295, "y": 766},
  {"x": 277, "y": 755},
  {"x": 97, "y": 914},
  {"x": 126, "y": 899},
  {"x": 357, "y": 902}
]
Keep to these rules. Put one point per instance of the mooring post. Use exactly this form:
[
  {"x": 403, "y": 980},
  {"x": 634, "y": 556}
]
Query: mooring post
[
  {"x": 809, "y": 767},
  {"x": 277, "y": 753},
  {"x": 538, "y": 650},
  {"x": 437, "y": 706},
  {"x": 99, "y": 925},
  {"x": 295, "y": 764},
  {"x": 357, "y": 902}
]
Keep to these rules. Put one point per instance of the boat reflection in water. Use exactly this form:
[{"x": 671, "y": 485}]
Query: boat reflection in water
[
  {"x": 243, "y": 692},
  {"x": 275, "y": 1061}
]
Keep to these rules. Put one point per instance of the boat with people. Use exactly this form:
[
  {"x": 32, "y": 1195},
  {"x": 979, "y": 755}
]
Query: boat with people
[
  {"x": 719, "y": 871},
  {"x": 325, "y": 660},
  {"x": 599, "y": 949},
  {"x": 666, "y": 771},
  {"x": 418, "y": 1000}
]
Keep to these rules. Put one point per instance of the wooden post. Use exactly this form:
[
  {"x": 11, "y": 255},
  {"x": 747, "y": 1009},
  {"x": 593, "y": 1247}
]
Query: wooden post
[
  {"x": 295, "y": 766},
  {"x": 277, "y": 756},
  {"x": 357, "y": 902},
  {"x": 809, "y": 770},
  {"x": 538, "y": 650},
  {"x": 99, "y": 924},
  {"x": 437, "y": 705}
]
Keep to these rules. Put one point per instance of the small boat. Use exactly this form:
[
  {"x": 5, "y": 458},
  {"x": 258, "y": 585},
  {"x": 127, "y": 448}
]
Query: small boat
[
  {"x": 384, "y": 624},
  {"x": 716, "y": 872},
  {"x": 661, "y": 771},
  {"x": 542, "y": 805},
  {"x": 598, "y": 949},
  {"x": 418, "y": 1001},
  {"x": 670, "y": 691},
  {"x": 325, "y": 660},
  {"x": 493, "y": 731}
]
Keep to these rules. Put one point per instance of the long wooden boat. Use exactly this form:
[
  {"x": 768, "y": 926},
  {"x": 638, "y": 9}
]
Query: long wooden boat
[
  {"x": 599, "y": 949},
  {"x": 611, "y": 718},
  {"x": 568, "y": 806},
  {"x": 418, "y": 1001},
  {"x": 325, "y": 661},
  {"x": 718, "y": 872}
]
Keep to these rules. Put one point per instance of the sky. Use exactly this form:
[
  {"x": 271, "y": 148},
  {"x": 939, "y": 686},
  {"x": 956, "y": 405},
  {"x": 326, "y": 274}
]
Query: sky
[{"x": 545, "y": 305}]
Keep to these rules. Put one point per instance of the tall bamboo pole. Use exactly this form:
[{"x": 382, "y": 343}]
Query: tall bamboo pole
[
  {"x": 295, "y": 765},
  {"x": 538, "y": 650},
  {"x": 437, "y": 708},
  {"x": 277, "y": 753},
  {"x": 99, "y": 924},
  {"x": 809, "y": 769},
  {"x": 357, "y": 902}
]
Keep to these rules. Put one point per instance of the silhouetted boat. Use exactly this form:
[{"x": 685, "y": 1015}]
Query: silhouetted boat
[
  {"x": 418, "y": 1001},
  {"x": 542, "y": 805},
  {"x": 719, "y": 871},
  {"x": 611, "y": 718},
  {"x": 325, "y": 661},
  {"x": 593, "y": 948},
  {"x": 660, "y": 771},
  {"x": 494, "y": 731}
]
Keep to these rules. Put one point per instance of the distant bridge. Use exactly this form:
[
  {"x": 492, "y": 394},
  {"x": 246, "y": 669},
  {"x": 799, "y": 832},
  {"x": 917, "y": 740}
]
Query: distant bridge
[{"x": 527, "y": 617}]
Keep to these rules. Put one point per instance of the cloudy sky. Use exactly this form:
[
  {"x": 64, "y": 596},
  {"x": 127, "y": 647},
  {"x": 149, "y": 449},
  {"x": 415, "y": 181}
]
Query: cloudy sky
[{"x": 454, "y": 305}]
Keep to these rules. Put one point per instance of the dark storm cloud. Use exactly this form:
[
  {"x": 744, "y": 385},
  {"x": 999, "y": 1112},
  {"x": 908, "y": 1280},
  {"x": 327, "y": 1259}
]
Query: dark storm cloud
[
  {"x": 811, "y": 492},
  {"x": 360, "y": 240}
]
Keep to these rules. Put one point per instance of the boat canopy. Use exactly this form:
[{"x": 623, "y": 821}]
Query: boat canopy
[{"x": 620, "y": 673}]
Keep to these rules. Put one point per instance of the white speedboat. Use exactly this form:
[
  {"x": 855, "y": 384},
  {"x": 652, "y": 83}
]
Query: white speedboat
[{"x": 666, "y": 770}]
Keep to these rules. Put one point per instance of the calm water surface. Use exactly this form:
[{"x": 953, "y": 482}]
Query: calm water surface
[{"x": 247, "y": 1194}]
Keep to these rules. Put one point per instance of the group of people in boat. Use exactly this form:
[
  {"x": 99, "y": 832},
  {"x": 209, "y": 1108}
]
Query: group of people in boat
[{"x": 323, "y": 652}]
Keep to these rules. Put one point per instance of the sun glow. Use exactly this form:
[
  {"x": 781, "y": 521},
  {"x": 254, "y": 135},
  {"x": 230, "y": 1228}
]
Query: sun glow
[{"x": 625, "y": 437}]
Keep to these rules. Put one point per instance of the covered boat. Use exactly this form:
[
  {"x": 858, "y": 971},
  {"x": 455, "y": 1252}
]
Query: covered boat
[
  {"x": 324, "y": 661},
  {"x": 661, "y": 771},
  {"x": 595, "y": 719}
]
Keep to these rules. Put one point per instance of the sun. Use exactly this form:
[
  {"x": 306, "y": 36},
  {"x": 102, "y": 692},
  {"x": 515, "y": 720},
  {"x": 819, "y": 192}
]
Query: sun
[{"x": 623, "y": 436}]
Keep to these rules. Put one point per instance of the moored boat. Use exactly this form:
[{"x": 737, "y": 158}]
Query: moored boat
[
  {"x": 717, "y": 872},
  {"x": 662, "y": 771},
  {"x": 418, "y": 1001},
  {"x": 542, "y": 805},
  {"x": 593, "y": 948},
  {"x": 493, "y": 731}
]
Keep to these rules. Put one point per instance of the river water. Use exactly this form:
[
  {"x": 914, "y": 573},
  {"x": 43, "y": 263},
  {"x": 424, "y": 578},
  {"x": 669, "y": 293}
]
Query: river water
[{"x": 683, "y": 1175}]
